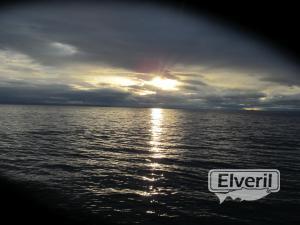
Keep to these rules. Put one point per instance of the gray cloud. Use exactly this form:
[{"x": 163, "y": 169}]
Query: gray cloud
[
  {"x": 138, "y": 38},
  {"x": 236, "y": 99},
  {"x": 141, "y": 39},
  {"x": 26, "y": 93}
]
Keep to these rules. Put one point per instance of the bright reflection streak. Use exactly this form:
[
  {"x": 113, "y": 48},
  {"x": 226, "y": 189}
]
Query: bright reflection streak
[
  {"x": 156, "y": 134},
  {"x": 156, "y": 130}
]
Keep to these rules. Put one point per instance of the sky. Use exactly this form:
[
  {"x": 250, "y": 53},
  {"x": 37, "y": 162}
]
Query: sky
[{"x": 138, "y": 56}]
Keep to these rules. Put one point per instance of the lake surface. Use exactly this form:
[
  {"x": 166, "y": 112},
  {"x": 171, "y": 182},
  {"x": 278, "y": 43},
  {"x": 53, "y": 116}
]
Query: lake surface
[{"x": 150, "y": 166}]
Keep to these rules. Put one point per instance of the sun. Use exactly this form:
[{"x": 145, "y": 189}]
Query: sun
[{"x": 164, "y": 84}]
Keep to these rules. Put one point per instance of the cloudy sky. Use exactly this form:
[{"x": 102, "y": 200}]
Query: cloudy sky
[{"x": 137, "y": 55}]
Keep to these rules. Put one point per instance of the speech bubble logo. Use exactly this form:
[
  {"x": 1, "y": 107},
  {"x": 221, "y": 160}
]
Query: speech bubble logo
[{"x": 243, "y": 184}]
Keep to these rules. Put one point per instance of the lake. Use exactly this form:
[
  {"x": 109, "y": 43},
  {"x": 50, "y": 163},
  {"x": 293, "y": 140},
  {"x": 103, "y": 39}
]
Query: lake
[{"x": 150, "y": 166}]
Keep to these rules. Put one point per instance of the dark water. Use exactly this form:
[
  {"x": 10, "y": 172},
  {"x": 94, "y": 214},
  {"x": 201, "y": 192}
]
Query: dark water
[{"x": 150, "y": 166}]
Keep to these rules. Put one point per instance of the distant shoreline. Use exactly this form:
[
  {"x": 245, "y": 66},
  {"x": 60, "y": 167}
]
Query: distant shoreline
[{"x": 150, "y": 107}]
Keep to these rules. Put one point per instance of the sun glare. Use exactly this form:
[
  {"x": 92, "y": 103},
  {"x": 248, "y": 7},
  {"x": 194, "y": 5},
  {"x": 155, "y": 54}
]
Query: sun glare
[
  {"x": 253, "y": 109},
  {"x": 164, "y": 84}
]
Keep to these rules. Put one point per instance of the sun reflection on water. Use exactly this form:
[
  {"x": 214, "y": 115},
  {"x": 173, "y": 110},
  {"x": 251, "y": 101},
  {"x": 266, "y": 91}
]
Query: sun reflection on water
[
  {"x": 156, "y": 154},
  {"x": 156, "y": 131}
]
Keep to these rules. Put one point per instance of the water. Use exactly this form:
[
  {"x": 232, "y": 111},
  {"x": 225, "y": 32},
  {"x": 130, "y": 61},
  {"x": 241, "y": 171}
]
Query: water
[{"x": 150, "y": 166}]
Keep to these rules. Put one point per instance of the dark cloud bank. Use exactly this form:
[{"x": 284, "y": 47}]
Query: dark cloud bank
[{"x": 26, "y": 93}]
